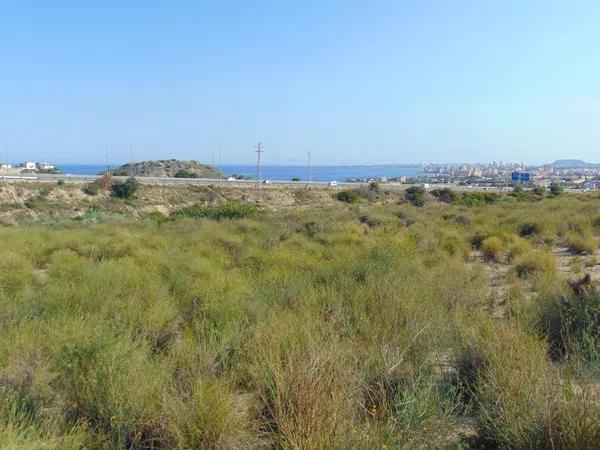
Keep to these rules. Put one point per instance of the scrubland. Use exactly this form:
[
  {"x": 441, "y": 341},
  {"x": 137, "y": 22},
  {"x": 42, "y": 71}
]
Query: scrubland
[{"x": 461, "y": 323}]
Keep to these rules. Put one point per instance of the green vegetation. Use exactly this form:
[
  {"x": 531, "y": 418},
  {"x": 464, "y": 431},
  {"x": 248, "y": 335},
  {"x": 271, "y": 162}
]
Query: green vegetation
[
  {"x": 184, "y": 173},
  {"x": 337, "y": 326},
  {"x": 415, "y": 195},
  {"x": 91, "y": 189},
  {"x": 229, "y": 210},
  {"x": 556, "y": 189},
  {"x": 449, "y": 196},
  {"x": 347, "y": 196},
  {"x": 125, "y": 190},
  {"x": 492, "y": 248}
]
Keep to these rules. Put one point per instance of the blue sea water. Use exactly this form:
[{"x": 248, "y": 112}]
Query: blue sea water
[{"x": 278, "y": 172}]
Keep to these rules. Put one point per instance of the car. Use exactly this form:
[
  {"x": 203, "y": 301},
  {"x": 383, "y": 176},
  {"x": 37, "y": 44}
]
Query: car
[
  {"x": 267, "y": 181},
  {"x": 333, "y": 183}
]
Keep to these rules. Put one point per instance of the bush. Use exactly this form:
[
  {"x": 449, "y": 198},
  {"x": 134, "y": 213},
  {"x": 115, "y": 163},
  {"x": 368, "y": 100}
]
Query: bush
[
  {"x": 463, "y": 219},
  {"x": 539, "y": 190},
  {"x": 229, "y": 210},
  {"x": 295, "y": 179},
  {"x": 445, "y": 195},
  {"x": 478, "y": 237},
  {"x": 530, "y": 229},
  {"x": 369, "y": 220},
  {"x": 478, "y": 198},
  {"x": 556, "y": 189},
  {"x": 91, "y": 189},
  {"x": 517, "y": 248},
  {"x": 492, "y": 248},
  {"x": 534, "y": 262},
  {"x": 105, "y": 182},
  {"x": 571, "y": 323},
  {"x": 60, "y": 183},
  {"x": 125, "y": 190},
  {"x": 415, "y": 195},
  {"x": 158, "y": 217},
  {"x": 581, "y": 245},
  {"x": 184, "y": 173},
  {"x": 347, "y": 196}
]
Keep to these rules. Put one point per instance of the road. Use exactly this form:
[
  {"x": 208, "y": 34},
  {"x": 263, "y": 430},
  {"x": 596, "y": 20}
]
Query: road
[{"x": 83, "y": 179}]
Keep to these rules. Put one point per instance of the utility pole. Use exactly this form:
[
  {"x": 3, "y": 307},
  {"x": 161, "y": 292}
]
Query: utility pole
[
  {"x": 309, "y": 168},
  {"x": 6, "y": 148},
  {"x": 106, "y": 152},
  {"x": 130, "y": 158},
  {"x": 220, "y": 161},
  {"x": 259, "y": 151}
]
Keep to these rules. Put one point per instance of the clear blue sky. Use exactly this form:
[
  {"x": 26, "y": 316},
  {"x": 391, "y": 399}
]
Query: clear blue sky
[{"x": 353, "y": 81}]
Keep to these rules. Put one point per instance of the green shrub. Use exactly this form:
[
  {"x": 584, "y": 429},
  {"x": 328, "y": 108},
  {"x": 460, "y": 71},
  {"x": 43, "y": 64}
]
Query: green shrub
[
  {"x": 534, "y": 262},
  {"x": 415, "y": 195},
  {"x": 556, "y": 189},
  {"x": 478, "y": 237},
  {"x": 478, "y": 198},
  {"x": 517, "y": 248},
  {"x": 184, "y": 173},
  {"x": 445, "y": 195},
  {"x": 91, "y": 189},
  {"x": 530, "y": 229},
  {"x": 369, "y": 220},
  {"x": 60, "y": 183},
  {"x": 229, "y": 210},
  {"x": 539, "y": 190},
  {"x": 158, "y": 217},
  {"x": 347, "y": 196},
  {"x": 581, "y": 245},
  {"x": 125, "y": 190},
  {"x": 572, "y": 323},
  {"x": 492, "y": 248}
]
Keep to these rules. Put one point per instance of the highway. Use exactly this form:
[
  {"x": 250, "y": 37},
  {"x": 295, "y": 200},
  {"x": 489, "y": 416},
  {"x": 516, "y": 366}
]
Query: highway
[{"x": 84, "y": 179}]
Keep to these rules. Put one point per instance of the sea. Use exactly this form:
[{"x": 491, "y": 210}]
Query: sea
[{"x": 282, "y": 172}]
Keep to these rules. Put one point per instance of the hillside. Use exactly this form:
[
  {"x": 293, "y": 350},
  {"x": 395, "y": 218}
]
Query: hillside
[
  {"x": 572, "y": 164},
  {"x": 168, "y": 168}
]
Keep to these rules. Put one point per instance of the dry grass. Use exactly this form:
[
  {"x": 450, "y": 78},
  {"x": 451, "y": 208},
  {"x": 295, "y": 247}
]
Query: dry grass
[{"x": 346, "y": 326}]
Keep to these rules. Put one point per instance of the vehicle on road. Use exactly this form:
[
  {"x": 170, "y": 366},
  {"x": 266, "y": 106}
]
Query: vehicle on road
[{"x": 333, "y": 183}]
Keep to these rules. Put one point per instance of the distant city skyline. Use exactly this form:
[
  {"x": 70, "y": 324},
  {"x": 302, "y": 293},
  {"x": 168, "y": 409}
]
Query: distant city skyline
[{"x": 381, "y": 82}]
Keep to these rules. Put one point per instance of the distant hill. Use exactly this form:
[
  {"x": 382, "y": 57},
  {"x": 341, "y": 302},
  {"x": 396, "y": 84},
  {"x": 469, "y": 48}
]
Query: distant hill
[
  {"x": 168, "y": 168},
  {"x": 572, "y": 164}
]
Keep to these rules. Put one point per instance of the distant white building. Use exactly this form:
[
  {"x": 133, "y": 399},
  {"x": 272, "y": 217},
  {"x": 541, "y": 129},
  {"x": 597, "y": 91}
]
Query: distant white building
[
  {"x": 29, "y": 165},
  {"x": 5, "y": 166},
  {"x": 46, "y": 166}
]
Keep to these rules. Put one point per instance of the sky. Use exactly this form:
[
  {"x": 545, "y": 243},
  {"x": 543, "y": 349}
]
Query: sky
[{"x": 353, "y": 82}]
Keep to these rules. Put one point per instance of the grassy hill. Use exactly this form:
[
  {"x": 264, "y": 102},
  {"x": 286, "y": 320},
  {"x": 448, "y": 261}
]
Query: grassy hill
[
  {"x": 457, "y": 324},
  {"x": 168, "y": 168}
]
